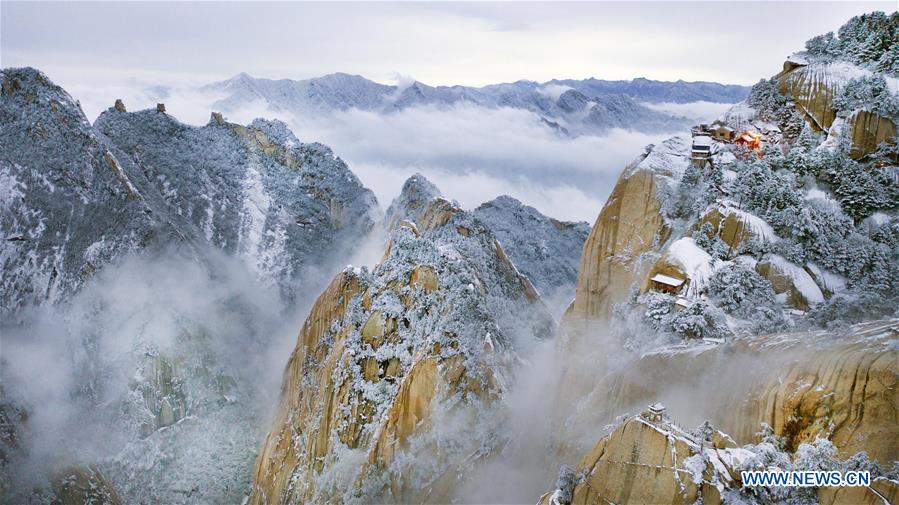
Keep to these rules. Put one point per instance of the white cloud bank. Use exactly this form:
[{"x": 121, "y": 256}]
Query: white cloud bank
[
  {"x": 475, "y": 154},
  {"x": 699, "y": 111},
  {"x": 472, "y": 153}
]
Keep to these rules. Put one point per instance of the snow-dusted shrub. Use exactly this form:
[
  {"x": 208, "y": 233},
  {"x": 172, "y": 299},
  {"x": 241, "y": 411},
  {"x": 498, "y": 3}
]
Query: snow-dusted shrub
[
  {"x": 743, "y": 293},
  {"x": 842, "y": 310},
  {"x": 801, "y": 158},
  {"x": 770, "y": 195},
  {"x": 869, "y": 92},
  {"x": 819, "y": 455},
  {"x": 694, "y": 193},
  {"x": 699, "y": 320},
  {"x": 861, "y": 188},
  {"x": 641, "y": 321},
  {"x": 823, "y": 47},
  {"x": 565, "y": 484},
  {"x": 868, "y": 40},
  {"x": 695, "y": 465},
  {"x": 860, "y": 462},
  {"x": 771, "y": 105},
  {"x": 658, "y": 306},
  {"x": 706, "y": 238}
]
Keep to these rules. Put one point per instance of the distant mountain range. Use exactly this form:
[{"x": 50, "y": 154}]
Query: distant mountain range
[{"x": 570, "y": 106}]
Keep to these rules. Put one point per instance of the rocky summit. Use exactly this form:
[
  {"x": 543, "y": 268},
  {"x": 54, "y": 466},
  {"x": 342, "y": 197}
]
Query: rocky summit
[
  {"x": 80, "y": 196},
  {"x": 407, "y": 363},
  {"x": 733, "y": 307}
]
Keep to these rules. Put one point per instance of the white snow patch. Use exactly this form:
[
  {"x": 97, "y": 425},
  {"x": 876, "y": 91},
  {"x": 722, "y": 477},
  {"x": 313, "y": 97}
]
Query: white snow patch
[
  {"x": 256, "y": 205},
  {"x": 797, "y": 59},
  {"x": 756, "y": 225},
  {"x": 695, "y": 464},
  {"x": 696, "y": 263},
  {"x": 803, "y": 282},
  {"x": 9, "y": 190},
  {"x": 877, "y": 219},
  {"x": 739, "y": 116},
  {"x": 670, "y": 158},
  {"x": 833, "y": 134},
  {"x": 827, "y": 280},
  {"x": 842, "y": 71},
  {"x": 553, "y": 91}
]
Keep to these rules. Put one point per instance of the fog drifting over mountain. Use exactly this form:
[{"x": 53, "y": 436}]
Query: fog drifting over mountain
[{"x": 473, "y": 153}]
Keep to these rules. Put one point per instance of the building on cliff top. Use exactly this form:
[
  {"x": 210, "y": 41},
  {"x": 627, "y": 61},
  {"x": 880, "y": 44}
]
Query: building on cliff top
[
  {"x": 723, "y": 132},
  {"x": 655, "y": 413},
  {"x": 702, "y": 150}
]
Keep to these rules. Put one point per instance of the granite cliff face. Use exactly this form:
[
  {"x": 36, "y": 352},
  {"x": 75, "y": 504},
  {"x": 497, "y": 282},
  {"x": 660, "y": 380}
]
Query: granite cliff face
[
  {"x": 69, "y": 204},
  {"x": 155, "y": 252},
  {"x": 813, "y": 87},
  {"x": 629, "y": 225},
  {"x": 404, "y": 364},
  {"x": 648, "y": 458},
  {"x": 77, "y": 197},
  {"x": 835, "y": 384}
]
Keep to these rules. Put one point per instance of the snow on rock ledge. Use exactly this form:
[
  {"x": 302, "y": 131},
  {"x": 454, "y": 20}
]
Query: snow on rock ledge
[
  {"x": 790, "y": 279},
  {"x": 400, "y": 366}
]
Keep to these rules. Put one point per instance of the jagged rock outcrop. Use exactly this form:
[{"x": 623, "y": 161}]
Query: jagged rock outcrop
[
  {"x": 868, "y": 130},
  {"x": 840, "y": 385},
  {"x": 546, "y": 250},
  {"x": 286, "y": 208},
  {"x": 629, "y": 225},
  {"x": 402, "y": 365},
  {"x": 649, "y": 461},
  {"x": 414, "y": 198},
  {"x": 813, "y": 86},
  {"x": 76, "y": 197},
  {"x": 68, "y": 204}
]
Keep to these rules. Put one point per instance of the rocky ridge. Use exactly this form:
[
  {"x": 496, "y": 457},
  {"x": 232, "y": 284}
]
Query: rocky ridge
[
  {"x": 696, "y": 270},
  {"x": 544, "y": 249},
  {"x": 577, "y": 107},
  {"x": 409, "y": 359},
  {"x": 127, "y": 229}
]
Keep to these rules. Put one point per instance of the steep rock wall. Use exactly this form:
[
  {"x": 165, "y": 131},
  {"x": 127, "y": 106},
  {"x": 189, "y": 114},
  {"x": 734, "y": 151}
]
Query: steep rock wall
[
  {"x": 813, "y": 87},
  {"x": 625, "y": 228},
  {"x": 649, "y": 459},
  {"x": 840, "y": 385},
  {"x": 868, "y": 130},
  {"x": 401, "y": 366}
]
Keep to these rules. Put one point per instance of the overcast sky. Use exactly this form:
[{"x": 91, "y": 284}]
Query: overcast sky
[
  {"x": 80, "y": 44},
  {"x": 106, "y": 50}
]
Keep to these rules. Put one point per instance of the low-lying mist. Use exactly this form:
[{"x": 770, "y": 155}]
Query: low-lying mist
[
  {"x": 475, "y": 154},
  {"x": 149, "y": 336},
  {"x": 472, "y": 153}
]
